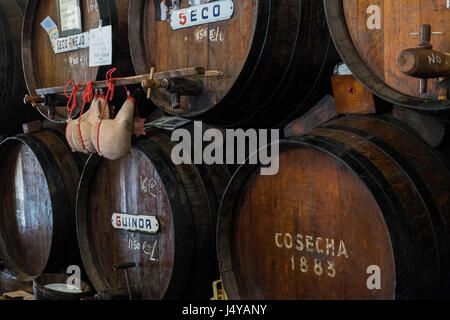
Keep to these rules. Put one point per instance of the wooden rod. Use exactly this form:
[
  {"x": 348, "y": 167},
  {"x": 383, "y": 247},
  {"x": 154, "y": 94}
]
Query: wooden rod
[
  {"x": 151, "y": 78},
  {"x": 33, "y": 100},
  {"x": 187, "y": 72}
]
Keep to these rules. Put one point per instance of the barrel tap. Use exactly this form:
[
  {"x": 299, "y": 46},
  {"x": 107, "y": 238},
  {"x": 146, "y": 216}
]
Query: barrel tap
[{"x": 425, "y": 63}]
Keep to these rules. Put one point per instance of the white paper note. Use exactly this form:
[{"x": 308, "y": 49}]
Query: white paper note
[{"x": 100, "y": 46}]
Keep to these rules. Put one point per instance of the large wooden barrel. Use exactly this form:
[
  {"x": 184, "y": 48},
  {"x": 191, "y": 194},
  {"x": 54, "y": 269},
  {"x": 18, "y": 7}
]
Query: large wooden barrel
[
  {"x": 9, "y": 283},
  {"x": 39, "y": 177},
  {"x": 12, "y": 84},
  {"x": 43, "y": 68},
  {"x": 177, "y": 262},
  {"x": 371, "y": 35},
  {"x": 271, "y": 53},
  {"x": 43, "y": 292},
  {"x": 359, "y": 201}
]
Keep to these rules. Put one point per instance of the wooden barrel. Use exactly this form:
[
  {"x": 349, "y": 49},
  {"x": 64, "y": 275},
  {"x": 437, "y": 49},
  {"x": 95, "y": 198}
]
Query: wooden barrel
[
  {"x": 12, "y": 84},
  {"x": 54, "y": 287},
  {"x": 39, "y": 178},
  {"x": 9, "y": 283},
  {"x": 358, "y": 210},
  {"x": 179, "y": 260},
  {"x": 271, "y": 53},
  {"x": 371, "y": 35},
  {"x": 43, "y": 68}
]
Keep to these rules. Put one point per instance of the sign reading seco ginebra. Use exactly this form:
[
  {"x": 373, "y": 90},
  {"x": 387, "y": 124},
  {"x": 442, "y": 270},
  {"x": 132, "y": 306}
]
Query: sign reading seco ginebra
[{"x": 202, "y": 14}]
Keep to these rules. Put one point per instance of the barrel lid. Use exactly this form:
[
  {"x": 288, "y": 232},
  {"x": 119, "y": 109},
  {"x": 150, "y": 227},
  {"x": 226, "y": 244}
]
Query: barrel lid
[
  {"x": 313, "y": 231},
  {"x": 26, "y": 227}
]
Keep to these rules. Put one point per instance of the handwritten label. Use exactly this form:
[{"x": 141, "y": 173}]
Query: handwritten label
[
  {"x": 100, "y": 43},
  {"x": 148, "y": 249},
  {"x": 79, "y": 59},
  {"x": 149, "y": 186},
  {"x": 92, "y": 5},
  {"x": 214, "y": 35},
  {"x": 70, "y": 15}
]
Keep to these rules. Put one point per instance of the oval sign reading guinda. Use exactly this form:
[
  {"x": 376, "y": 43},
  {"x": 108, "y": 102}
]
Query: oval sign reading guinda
[{"x": 148, "y": 224}]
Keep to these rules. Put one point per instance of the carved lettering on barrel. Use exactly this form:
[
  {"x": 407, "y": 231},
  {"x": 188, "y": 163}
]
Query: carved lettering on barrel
[
  {"x": 330, "y": 248},
  {"x": 300, "y": 242}
]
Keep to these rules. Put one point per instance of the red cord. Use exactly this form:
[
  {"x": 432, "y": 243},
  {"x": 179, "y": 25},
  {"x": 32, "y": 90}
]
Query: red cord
[
  {"x": 110, "y": 94},
  {"x": 72, "y": 98},
  {"x": 88, "y": 96}
]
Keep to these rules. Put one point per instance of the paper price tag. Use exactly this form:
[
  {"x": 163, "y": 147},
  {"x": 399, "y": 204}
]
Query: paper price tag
[{"x": 100, "y": 47}]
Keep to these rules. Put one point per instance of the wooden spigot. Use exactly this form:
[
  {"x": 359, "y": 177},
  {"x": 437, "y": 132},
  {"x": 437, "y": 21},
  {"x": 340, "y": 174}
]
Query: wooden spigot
[
  {"x": 152, "y": 76},
  {"x": 423, "y": 62},
  {"x": 125, "y": 267},
  {"x": 50, "y": 100},
  {"x": 33, "y": 100},
  {"x": 175, "y": 85}
]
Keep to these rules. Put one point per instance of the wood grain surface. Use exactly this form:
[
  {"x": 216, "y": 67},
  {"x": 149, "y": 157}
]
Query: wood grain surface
[
  {"x": 43, "y": 68},
  {"x": 264, "y": 51},
  {"x": 355, "y": 193},
  {"x": 179, "y": 261},
  {"x": 12, "y": 87},
  {"x": 37, "y": 229}
]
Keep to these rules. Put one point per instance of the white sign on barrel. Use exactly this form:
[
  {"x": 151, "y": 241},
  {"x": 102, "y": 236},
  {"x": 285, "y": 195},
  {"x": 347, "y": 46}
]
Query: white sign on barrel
[
  {"x": 148, "y": 224},
  {"x": 202, "y": 14}
]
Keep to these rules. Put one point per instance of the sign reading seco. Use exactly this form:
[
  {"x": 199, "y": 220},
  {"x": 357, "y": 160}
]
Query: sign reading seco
[{"x": 202, "y": 14}]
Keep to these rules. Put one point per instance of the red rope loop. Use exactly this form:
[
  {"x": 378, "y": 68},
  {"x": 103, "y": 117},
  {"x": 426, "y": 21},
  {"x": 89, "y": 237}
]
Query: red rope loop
[
  {"x": 72, "y": 97},
  {"x": 110, "y": 83},
  {"x": 110, "y": 94},
  {"x": 88, "y": 96}
]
